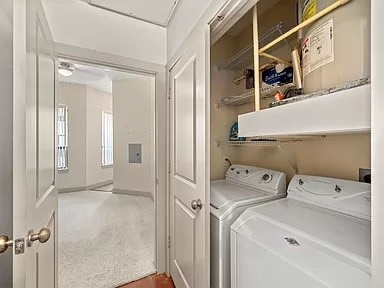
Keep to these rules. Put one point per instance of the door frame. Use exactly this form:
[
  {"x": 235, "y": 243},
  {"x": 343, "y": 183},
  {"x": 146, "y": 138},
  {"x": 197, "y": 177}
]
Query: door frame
[
  {"x": 124, "y": 64},
  {"x": 377, "y": 142},
  {"x": 233, "y": 10}
]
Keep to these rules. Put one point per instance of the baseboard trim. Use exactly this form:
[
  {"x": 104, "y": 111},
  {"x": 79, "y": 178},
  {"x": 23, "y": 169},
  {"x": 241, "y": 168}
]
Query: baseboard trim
[
  {"x": 133, "y": 193},
  {"x": 83, "y": 188},
  {"x": 100, "y": 184},
  {"x": 72, "y": 189}
]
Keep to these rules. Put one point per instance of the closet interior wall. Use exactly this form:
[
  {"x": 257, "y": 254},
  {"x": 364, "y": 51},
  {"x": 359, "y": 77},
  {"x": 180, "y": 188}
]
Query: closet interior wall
[{"x": 338, "y": 156}]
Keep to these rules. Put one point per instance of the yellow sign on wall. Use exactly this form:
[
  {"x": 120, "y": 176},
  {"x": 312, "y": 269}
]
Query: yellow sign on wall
[{"x": 309, "y": 8}]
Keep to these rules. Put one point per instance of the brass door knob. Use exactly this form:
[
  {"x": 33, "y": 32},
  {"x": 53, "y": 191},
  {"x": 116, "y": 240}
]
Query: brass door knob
[
  {"x": 42, "y": 236},
  {"x": 4, "y": 243}
]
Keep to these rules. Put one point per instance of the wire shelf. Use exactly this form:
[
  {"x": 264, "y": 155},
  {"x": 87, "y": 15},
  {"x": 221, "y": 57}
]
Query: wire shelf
[
  {"x": 266, "y": 142},
  {"x": 273, "y": 141},
  {"x": 249, "y": 96},
  {"x": 245, "y": 57},
  {"x": 239, "y": 61},
  {"x": 262, "y": 143},
  {"x": 237, "y": 100}
]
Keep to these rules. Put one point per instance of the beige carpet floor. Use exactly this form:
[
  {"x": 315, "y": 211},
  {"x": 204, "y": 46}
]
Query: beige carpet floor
[{"x": 105, "y": 239}]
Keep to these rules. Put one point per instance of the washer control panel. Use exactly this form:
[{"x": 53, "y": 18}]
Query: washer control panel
[
  {"x": 349, "y": 197},
  {"x": 257, "y": 177}
]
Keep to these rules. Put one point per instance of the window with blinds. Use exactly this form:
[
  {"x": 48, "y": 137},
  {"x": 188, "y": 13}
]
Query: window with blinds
[
  {"x": 62, "y": 139},
  {"x": 107, "y": 139}
]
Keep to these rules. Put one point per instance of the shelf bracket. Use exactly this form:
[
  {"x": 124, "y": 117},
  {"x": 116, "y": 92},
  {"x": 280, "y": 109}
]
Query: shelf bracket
[
  {"x": 289, "y": 159},
  {"x": 237, "y": 81}
]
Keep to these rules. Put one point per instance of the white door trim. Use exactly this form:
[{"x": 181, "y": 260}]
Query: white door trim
[
  {"x": 377, "y": 142},
  {"x": 87, "y": 56}
]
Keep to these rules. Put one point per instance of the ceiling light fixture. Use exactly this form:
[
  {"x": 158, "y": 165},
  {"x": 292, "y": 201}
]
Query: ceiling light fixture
[{"x": 66, "y": 69}]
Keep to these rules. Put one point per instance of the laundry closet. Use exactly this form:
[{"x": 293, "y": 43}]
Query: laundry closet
[
  {"x": 332, "y": 152},
  {"x": 289, "y": 95}
]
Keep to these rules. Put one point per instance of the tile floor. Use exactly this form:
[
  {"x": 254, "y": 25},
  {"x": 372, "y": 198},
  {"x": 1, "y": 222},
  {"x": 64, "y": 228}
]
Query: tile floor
[{"x": 153, "y": 281}]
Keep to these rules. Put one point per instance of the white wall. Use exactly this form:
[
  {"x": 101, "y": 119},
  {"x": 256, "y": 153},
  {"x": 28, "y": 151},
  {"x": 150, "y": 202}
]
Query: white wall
[
  {"x": 78, "y": 24},
  {"x": 75, "y": 96},
  {"x": 133, "y": 121},
  {"x": 85, "y": 106},
  {"x": 377, "y": 144},
  {"x": 97, "y": 101},
  {"x": 184, "y": 19}
]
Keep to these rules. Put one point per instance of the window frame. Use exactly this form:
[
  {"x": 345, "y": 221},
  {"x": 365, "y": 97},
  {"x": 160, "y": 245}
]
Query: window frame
[
  {"x": 106, "y": 163},
  {"x": 65, "y": 147}
]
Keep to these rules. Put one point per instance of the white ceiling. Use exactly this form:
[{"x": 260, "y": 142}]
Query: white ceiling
[
  {"x": 95, "y": 77},
  {"x": 154, "y": 11}
]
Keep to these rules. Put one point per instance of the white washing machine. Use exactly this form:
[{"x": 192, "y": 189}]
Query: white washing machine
[
  {"x": 244, "y": 187},
  {"x": 319, "y": 236}
]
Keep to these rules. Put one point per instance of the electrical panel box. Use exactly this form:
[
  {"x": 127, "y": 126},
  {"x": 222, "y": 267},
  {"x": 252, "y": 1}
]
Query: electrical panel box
[{"x": 134, "y": 152}]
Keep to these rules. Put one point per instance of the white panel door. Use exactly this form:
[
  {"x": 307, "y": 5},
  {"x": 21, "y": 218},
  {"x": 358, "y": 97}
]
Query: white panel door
[
  {"x": 189, "y": 180},
  {"x": 35, "y": 208}
]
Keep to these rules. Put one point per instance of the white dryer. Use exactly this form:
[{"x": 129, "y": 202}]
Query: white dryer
[
  {"x": 319, "y": 236},
  {"x": 244, "y": 187}
]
